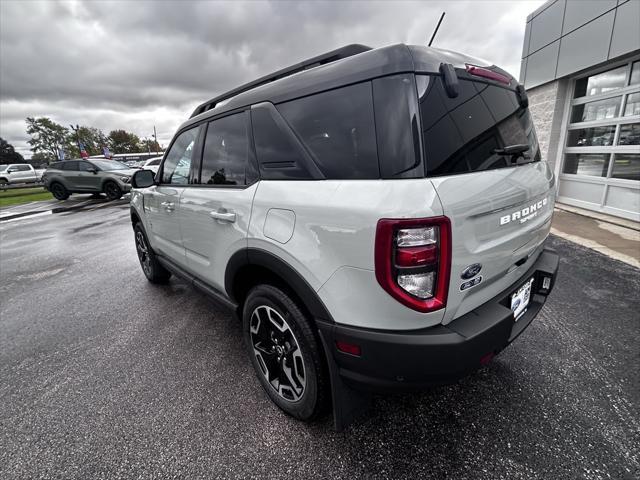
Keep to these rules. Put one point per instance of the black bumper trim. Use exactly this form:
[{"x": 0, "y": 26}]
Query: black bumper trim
[{"x": 441, "y": 354}]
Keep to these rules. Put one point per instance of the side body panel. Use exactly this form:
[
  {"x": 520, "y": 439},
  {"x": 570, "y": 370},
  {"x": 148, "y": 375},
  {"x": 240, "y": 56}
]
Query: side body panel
[
  {"x": 214, "y": 224},
  {"x": 332, "y": 241},
  {"x": 162, "y": 209}
]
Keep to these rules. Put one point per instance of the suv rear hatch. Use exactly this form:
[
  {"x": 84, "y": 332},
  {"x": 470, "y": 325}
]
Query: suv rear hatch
[{"x": 484, "y": 161}]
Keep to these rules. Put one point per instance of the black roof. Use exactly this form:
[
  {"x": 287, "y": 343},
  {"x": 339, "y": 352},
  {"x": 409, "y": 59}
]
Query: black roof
[{"x": 344, "y": 66}]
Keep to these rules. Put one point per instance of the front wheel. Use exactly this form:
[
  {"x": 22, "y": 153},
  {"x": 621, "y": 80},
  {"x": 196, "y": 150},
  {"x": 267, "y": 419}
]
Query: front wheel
[
  {"x": 285, "y": 353},
  {"x": 151, "y": 267},
  {"x": 112, "y": 190}
]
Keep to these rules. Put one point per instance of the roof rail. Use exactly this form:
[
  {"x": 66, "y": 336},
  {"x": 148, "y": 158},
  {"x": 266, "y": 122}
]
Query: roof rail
[{"x": 332, "y": 56}]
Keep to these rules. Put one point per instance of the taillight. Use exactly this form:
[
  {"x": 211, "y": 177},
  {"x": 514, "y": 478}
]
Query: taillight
[
  {"x": 486, "y": 73},
  {"x": 413, "y": 260}
]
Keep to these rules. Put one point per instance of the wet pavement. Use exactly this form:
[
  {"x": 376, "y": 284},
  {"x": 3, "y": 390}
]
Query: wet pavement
[{"x": 104, "y": 375}]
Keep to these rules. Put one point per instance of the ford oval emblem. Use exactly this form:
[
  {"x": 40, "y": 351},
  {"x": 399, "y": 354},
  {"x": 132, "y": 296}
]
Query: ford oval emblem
[{"x": 471, "y": 271}]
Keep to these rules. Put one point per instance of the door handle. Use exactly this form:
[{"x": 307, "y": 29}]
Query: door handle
[
  {"x": 223, "y": 216},
  {"x": 168, "y": 206}
]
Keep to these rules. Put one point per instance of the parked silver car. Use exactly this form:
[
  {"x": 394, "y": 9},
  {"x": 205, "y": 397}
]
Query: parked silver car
[{"x": 81, "y": 176}]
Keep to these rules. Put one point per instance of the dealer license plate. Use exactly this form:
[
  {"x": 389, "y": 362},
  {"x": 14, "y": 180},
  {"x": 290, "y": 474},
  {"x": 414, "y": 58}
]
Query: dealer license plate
[{"x": 520, "y": 300}]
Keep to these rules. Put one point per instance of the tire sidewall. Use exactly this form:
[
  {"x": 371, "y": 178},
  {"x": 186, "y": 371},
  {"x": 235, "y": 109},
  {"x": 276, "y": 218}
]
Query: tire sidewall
[
  {"x": 306, "y": 406},
  {"x": 106, "y": 187},
  {"x": 157, "y": 274},
  {"x": 63, "y": 192}
]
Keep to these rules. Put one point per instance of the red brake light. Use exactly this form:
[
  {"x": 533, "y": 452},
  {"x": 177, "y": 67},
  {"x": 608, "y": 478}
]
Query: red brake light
[
  {"x": 486, "y": 73},
  {"x": 417, "y": 275},
  {"x": 416, "y": 256}
]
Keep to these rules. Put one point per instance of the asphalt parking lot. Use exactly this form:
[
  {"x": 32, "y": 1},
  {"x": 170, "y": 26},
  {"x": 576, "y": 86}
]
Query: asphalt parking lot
[{"x": 104, "y": 375}]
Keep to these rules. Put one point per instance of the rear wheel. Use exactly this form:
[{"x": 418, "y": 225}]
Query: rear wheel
[
  {"x": 59, "y": 191},
  {"x": 285, "y": 352},
  {"x": 112, "y": 190},
  {"x": 151, "y": 267}
]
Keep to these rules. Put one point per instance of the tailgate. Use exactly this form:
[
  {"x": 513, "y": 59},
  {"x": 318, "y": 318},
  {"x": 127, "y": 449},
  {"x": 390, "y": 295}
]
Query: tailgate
[{"x": 499, "y": 220}]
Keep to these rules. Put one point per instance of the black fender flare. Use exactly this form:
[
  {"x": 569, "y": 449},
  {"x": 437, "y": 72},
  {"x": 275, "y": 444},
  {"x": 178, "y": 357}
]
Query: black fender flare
[{"x": 293, "y": 279}]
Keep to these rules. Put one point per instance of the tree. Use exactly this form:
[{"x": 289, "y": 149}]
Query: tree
[
  {"x": 39, "y": 159},
  {"x": 92, "y": 138},
  {"x": 121, "y": 141},
  {"x": 149, "y": 145},
  {"x": 48, "y": 137},
  {"x": 8, "y": 153}
]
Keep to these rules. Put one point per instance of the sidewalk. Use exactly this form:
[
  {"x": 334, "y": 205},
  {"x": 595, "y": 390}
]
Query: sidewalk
[{"x": 617, "y": 238}]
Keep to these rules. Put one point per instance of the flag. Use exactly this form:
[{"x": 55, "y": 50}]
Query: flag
[
  {"x": 83, "y": 151},
  {"x": 106, "y": 152}
]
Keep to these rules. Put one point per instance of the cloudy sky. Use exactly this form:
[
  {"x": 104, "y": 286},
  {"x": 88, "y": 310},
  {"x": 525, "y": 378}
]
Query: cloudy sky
[{"x": 135, "y": 64}]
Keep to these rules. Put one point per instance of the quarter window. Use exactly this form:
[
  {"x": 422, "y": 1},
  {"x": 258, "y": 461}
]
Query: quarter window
[
  {"x": 337, "y": 127},
  {"x": 226, "y": 150},
  {"x": 175, "y": 169}
]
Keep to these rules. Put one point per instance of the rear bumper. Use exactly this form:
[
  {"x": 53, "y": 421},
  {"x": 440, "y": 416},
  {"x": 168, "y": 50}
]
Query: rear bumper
[{"x": 440, "y": 354}]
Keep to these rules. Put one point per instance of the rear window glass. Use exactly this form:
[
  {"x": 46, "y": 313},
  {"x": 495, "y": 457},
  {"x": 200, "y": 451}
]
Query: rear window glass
[
  {"x": 463, "y": 134},
  {"x": 70, "y": 166},
  {"x": 338, "y": 128},
  {"x": 397, "y": 126}
]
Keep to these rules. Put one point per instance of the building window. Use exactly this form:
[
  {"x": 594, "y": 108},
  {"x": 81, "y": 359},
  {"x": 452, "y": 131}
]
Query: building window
[{"x": 603, "y": 138}]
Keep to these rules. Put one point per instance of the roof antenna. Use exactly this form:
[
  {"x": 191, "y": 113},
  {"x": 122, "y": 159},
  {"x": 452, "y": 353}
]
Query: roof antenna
[{"x": 436, "y": 30}]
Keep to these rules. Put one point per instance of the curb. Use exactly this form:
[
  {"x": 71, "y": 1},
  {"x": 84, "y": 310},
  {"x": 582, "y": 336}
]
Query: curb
[{"x": 36, "y": 212}]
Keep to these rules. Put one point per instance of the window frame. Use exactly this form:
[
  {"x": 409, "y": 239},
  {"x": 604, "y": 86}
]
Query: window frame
[
  {"x": 195, "y": 169},
  {"x": 196, "y": 145}
]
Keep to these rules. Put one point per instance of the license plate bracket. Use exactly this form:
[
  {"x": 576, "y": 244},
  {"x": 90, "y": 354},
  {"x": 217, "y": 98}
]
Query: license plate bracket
[{"x": 520, "y": 300}]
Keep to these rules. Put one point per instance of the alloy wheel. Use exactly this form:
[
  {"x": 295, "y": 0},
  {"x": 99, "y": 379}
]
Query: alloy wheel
[
  {"x": 278, "y": 353},
  {"x": 143, "y": 253}
]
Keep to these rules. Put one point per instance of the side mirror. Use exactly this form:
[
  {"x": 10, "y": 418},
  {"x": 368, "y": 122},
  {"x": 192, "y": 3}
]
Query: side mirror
[
  {"x": 11, "y": 170},
  {"x": 143, "y": 179},
  {"x": 92, "y": 170}
]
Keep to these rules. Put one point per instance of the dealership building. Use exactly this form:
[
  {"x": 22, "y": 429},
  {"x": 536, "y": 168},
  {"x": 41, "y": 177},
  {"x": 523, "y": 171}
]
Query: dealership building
[{"x": 581, "y": 68}]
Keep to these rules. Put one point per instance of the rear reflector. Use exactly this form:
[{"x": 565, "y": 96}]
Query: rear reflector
[
  {"x": 486, "y": 73},
  {"x": 349, "y": 348}
]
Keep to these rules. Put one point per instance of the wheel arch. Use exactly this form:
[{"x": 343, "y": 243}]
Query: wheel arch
[{"x": 252, "y": 266}]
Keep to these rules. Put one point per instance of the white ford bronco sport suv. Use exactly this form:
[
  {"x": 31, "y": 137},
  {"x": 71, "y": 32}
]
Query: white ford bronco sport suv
[{"x": 377, "y": 217}]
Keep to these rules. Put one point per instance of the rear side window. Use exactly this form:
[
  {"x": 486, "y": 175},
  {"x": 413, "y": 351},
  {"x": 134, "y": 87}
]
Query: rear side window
[
  {"x": 338, "y": 129},
  {"x": 462, "y": 134},
  {"x": 70, "y": 166},
  {"x": 226, "y": 151},
  {"x": 175, "y": 169},
  {"x": 56, "y": 166}
]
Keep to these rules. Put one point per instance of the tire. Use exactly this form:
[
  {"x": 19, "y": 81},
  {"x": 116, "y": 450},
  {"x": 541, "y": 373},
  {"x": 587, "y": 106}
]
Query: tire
[
  {"x": 3, "y": 182},
  {"x": 112, "y": 190},
  {"x": 151, "y": 267},
  {"x": 279, "y": 337},
  {"x": 59, "y": 191}
]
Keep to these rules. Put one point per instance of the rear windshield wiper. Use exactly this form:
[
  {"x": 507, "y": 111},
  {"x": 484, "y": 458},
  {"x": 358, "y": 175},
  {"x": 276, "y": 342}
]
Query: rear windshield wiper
[{"x": 516, "y": 151}]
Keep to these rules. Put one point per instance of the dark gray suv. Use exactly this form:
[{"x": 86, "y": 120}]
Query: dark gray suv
[{"x": 82, "y": 176}]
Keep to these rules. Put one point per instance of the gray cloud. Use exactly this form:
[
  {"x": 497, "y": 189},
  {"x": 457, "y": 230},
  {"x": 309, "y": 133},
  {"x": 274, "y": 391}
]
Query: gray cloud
[{"x": 135, "y": 63}]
